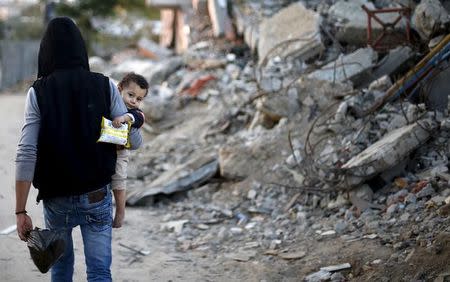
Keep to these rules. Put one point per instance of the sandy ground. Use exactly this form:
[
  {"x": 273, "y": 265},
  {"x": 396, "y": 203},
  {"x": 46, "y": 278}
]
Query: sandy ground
[{"x": 15, "y": 262}]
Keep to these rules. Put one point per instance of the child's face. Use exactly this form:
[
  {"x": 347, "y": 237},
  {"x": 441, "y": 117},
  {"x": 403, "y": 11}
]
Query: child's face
[{"x": 132, "y": 95}]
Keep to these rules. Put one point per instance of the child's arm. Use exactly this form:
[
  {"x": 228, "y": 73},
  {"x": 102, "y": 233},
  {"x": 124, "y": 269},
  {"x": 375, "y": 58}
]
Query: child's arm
[
  {"x": 138, "y": 117},
  {"x": 120, "y": 198},
  {"x": 117, "y": 122}
]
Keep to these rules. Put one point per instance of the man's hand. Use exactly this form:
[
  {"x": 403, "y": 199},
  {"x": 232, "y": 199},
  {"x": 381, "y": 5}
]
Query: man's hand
[
  {"x": 23, "y": 221},
  {"x": 24, "y": 225},
  {"x": 117, "y": 122}
]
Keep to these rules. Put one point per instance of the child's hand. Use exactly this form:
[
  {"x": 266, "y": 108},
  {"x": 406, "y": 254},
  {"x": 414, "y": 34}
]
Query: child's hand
[
  {"x": 117, "y": 122},
  {"x": 118, "y": 218}
]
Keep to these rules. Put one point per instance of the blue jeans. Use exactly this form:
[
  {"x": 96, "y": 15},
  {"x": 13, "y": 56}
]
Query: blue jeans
[{"x": 94, "y": 216}]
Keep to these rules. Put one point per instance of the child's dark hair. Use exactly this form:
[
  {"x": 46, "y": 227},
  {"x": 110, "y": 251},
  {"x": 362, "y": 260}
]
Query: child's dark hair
[{"x": 136, "y": 78}]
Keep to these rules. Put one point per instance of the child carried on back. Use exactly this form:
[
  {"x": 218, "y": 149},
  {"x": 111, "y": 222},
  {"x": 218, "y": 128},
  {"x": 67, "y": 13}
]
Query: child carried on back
[{"x": 133, "y": 88}]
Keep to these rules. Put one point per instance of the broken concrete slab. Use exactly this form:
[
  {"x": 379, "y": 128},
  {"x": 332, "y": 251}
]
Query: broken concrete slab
[
  {"x": 184, "y": 177},
  {"x": 397, "y": 61},
  {"x": 320, "y": 92},
  {"x": 294, "y": 25},
  {"x": 429, "y": 17},
  {"x": 352, "y": 21},
  {"x": 387, "y": 152},
  {"x": 153, "y": 50},
  {"x": 233, "y": 162},
  {"x": 318, "y": 276},
  {"x": 275, "y": 107},
  {"x": 160, "y": 71},
  {"x": 347, "y": 67}
]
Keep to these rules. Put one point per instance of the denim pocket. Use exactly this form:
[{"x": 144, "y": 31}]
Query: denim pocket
[
  {"x": 100, "y": 218},
  {"x": 55, "y": 214}
]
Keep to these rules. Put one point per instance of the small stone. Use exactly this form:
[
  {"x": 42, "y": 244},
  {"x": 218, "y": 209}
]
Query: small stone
[
  {"x": 292, "y": 256},
  {"x": 439, "y": 200},
  {"x": 274, "y": 244},
  {"x": 446, "y": 193},
  {"x": 425, "y": 192},
  {"x": 340, "y": 201},
  {"x": 410, "y": 198},
  {"x": 231, "y": 57},
  {"x": 236, "y": 230},
  {"x": 251, "y": 245},
  {"x": 404, "y": 217},
  {"x": 269, "y": 234},
  {"x": 391, "y": 210},
  {"x": 202, "y": 226},
  {"x": 251, "y": 195},
  {"x": 372, "y": 225},
  {"x": 365, "y": 192},
  {"x": 222, "y": 234},
  {"x": 400, "y": 245},
  {"x": 328, "y": 233},
  {"x": 276, "y": 84},
  {"x": 340, "y": 226},
  {"x": 315, "y": 201},
  {"x": 291, "y": 162},
  {"x": 411, "y": 208},
  {"x": 348, "y": 216}
]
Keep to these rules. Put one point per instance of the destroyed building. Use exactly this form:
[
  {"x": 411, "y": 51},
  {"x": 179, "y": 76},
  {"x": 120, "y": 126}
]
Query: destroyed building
[{"x": 320, "y": 122}]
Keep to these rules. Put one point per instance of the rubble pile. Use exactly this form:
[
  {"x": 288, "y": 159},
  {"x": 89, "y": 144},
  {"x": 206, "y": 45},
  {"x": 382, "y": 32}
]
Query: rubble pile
[{"x": 319, "y": 140}]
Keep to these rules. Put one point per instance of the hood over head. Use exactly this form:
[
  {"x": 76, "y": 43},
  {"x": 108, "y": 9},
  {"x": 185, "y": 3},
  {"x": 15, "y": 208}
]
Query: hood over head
[{"x": 62, "y": 47}]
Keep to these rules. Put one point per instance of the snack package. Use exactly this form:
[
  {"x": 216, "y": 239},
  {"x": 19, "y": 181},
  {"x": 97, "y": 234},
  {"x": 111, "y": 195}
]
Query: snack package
[{"x": 110, "y": 134}]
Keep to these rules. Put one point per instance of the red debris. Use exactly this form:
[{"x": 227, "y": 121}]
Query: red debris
[{"x": 197, "y": 85}]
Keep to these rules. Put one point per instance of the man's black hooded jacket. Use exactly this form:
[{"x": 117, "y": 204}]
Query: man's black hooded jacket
[{"x": 72, "y": 101}]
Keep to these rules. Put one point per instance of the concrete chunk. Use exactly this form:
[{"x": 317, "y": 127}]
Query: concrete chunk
[
  {"x": 152, "y": 50},
  {"x": 395, "y": 61},
  {"x": 348, "y": 67},
  {"x": 387, "y": 152},
  {"x": 160, "y": 71},
  {"x": 292, "y": 22},
  {"x": 182, "y": 178},
  {"x": 352, "y": 20},
  {"x": 429, "y": 17}
]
